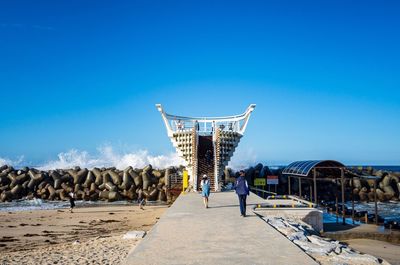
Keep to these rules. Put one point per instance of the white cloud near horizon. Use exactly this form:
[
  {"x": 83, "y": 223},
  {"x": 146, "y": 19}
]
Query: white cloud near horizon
[{"x": 107, "y": 156}]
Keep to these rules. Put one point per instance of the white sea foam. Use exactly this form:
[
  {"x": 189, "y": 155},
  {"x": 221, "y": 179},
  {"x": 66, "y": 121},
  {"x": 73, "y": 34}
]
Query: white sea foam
[
  {"x": 108, "y": 157},
  {"x": 4, "y": 161},
  {"x": 243, "y": 159},
  {"x": 10, "y": 162}
]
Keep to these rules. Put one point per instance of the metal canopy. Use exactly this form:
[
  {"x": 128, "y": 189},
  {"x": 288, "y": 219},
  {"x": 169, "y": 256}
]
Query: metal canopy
[{"x": 303, "y": 168}]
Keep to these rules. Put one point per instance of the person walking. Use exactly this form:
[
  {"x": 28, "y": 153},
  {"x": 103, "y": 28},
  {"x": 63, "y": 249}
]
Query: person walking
[
  {"x": 141, "y": 200},
  {"x": 205, "y": 189},
  {"x": 242, "y": 190},
  {"x": 71, "y": 201}
]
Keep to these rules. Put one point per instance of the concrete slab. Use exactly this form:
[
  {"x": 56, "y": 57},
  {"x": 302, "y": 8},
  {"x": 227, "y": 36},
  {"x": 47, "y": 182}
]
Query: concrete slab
[
  {"x": 190, "y": 234},
  {"x": 311, "y": 216}
]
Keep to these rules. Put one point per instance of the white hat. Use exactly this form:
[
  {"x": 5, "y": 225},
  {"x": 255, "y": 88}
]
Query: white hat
[{"x": 204, "y": 176}]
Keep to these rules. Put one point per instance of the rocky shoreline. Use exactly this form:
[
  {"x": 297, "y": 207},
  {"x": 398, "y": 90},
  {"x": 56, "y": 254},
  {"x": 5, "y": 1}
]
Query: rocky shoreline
[
  {"x": 388, "y": 183},
  {"x": 323, "y": 250},
  {"x": 108, "y": 184}
]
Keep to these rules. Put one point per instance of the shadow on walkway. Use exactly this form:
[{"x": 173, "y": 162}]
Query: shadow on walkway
[{"x": 231, "y": 205}]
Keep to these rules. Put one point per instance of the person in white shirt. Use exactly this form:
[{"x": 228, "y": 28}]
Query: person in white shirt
[{"x": 71, "y": 201}]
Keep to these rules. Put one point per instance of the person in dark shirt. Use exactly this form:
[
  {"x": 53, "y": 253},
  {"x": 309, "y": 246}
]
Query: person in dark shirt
[{"x": 242, "y": 190}]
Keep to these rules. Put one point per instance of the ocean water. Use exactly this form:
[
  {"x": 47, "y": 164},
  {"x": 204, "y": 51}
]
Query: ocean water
[
  {"x": 387, "y": 210},
  {"x": 384, "y": 168},
  {"x": 39, "y": 204},
  {"x": 390, "y": 211},
  {"x": 387, "y": 168},
  {"x": 330, "y": 218}
]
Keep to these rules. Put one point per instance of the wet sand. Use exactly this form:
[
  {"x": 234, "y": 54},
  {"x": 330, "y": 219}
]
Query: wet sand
[
  {"x": 389, "y": 252},
  {"x": 369, "y": 239},
  {"x": 91, "y": 235}
]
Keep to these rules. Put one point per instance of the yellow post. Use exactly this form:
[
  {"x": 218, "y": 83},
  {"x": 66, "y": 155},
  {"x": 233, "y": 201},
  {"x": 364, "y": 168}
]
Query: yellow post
[{"x": 185, "y": 181}]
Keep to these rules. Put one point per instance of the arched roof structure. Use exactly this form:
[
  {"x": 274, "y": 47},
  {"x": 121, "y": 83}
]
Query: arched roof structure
[{"x": 304, "y": 168}]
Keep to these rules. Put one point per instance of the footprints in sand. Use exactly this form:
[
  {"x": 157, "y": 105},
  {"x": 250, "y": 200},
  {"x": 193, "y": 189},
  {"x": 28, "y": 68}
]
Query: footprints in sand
[
  {"x": 109, "y": 221},
  {"x": 30, "y": 235},
  {"x": 101, "y": 221},
  {"x": 100, "y": 250},
  {"x": 23, "y": 224},
  {"x": 53, "y": 233},
  {"x": 29, "y": 224},
  {"x": 7, "y": 239},
  {"x": 45, "y": 230}
]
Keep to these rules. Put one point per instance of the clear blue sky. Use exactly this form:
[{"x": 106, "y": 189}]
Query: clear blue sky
[{"x": 325, "y": 75}]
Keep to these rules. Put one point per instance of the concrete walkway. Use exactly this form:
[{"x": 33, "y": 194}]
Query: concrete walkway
[{"x": 188, "y": 233}]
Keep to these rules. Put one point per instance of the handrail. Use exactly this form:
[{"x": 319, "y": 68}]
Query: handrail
[
  {"x": 252, "y": 188},
  {"x": 236, "y": 123},
  {"x": 249, "y": 109}
]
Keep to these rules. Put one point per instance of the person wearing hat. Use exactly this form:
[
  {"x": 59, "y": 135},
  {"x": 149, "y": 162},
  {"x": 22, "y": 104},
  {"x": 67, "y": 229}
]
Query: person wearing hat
[{"x": 205, "y": 189}]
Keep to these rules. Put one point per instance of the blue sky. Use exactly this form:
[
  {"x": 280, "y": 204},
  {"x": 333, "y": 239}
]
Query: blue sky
[{"x": 325, "y": 76}]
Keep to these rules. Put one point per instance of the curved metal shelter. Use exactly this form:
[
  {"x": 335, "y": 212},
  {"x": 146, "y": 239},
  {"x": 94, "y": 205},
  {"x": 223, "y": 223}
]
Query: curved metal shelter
[
  {"x": 315, "y": 170},
  {"x": 323, "y": 170},
  {"x": 304, "y": 168}
]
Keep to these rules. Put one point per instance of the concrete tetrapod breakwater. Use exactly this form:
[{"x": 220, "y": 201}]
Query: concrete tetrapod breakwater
[
  {"x": 388, "y": 183},
  {"x": 190, "y": 234},
  {"x": 108, "y": 184}
]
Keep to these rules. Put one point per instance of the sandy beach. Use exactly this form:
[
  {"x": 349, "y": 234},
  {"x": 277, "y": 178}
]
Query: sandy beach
[
  {"x": 90, "y": 235},
  {"x": 389, "y": 252}
]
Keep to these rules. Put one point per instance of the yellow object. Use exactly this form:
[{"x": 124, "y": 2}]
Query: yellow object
[
  {"x": 185, "y": 183},
  {"x": 259, "y": 182}
]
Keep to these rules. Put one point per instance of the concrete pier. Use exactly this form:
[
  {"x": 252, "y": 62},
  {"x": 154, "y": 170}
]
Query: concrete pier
[{"x": 190, "y": 234}]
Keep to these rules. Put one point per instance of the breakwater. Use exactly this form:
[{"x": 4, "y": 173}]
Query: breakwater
[
  {"x": 358, "y": 185},
  {"x": 388, "y": 183},
  {"x": 109, "y": 184}
]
